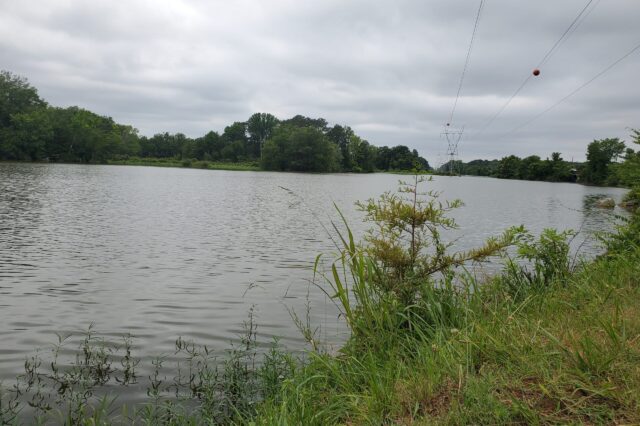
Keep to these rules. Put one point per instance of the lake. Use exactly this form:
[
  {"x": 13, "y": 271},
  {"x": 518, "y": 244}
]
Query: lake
[{"x": 161, "y": 253}]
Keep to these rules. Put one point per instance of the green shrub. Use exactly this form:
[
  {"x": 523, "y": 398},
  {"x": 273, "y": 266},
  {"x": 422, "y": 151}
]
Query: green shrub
[
  {"x": 402, "y": 277},
  {"x": 538, "y": 263}
]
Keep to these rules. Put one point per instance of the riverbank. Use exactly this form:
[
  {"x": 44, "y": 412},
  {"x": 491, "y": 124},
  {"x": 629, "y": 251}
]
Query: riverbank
[
  {"x": 213, "y": 165},
  {"x": 250, "y": 166},
  {"x": 567, "y": 353},
  {"x": 193, "y": 164}
]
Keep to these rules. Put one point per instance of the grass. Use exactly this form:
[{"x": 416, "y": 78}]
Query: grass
[
  {"x": 543, "y": 342},
  {"x": 568, "y": 352},
  {"x": 194, "y": 164},
  {"x": 408, "y": 172}
]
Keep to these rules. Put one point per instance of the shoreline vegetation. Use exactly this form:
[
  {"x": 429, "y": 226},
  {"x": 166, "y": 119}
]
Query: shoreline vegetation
[
  {"x": 208, "y": 165},
  {"x": 609, "y": 163},
  {"x": 32, "y": 130},
  {"x": 212, "y": 165},
  {"x": 547, "y": 340},
  {"x": 196, "y": 164}
]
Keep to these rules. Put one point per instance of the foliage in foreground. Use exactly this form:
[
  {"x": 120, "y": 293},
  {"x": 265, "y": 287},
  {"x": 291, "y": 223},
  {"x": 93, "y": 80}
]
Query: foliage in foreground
[{"x": 539, "y": 344}]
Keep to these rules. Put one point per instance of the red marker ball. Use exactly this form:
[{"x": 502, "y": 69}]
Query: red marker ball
[{"x": 536, "y": 72}]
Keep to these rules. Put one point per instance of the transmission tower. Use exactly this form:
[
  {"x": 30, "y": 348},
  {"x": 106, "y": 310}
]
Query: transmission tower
[{"x": 453, "y": 137}]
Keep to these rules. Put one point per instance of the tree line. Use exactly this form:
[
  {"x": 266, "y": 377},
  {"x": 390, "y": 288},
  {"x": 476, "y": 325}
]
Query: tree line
[
  {"x": 32, "y": 130},
  {"x": 609, "y": 162}
]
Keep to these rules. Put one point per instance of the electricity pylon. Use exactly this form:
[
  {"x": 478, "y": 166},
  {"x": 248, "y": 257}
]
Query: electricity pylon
[{"x": 453, "y": 137}]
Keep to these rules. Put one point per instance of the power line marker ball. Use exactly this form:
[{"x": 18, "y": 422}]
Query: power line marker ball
[{"x": 536, "y": 72}]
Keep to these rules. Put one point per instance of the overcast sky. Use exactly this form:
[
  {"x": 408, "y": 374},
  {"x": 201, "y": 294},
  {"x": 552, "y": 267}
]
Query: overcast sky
[{"x": 388, "y": 68}]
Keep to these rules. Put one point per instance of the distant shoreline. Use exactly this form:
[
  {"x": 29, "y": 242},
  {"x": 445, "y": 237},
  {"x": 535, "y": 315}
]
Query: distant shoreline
[
  {"x": 253, "y": 167},
  {"x": 206, "y": 165}
]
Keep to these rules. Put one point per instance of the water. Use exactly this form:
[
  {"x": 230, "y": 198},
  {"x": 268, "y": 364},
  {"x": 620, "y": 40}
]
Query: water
[{"x": 161, "y": 253}]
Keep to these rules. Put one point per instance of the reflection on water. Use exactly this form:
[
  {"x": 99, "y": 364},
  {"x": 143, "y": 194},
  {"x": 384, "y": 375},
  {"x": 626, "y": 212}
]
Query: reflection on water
[{"x": 162, "y": 253}]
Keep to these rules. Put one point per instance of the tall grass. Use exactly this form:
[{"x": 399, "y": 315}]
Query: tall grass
[
  {"x": 568, "y": 353},
  {"x": 541, "y": 342}
]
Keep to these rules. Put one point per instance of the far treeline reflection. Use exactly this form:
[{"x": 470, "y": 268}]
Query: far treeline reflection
[{"x": 32, "y": 130}]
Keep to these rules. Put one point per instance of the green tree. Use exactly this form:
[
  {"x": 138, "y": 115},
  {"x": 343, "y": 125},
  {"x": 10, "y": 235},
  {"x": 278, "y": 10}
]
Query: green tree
[
  {"x": 208, "y": 147},
  {"x": 480, "y": 167},
  {"x": 362, "y": 155},
  {"x": 629, "y": 171},
  {"x": 531, "y": 168},
  {"x": 341, "y": 136},
  {"x": 129, "y": 140},
  {"x": 399, "y": 157},
  {"x": 383, "y": 158},
  {"x": 235, "y": 141},
  {"x": 558, "y": 170},
  {"x": 234, "y": 152},
  {"x": 302, "y": 121},
  {"x": 302, "y": 149},
  {"x": 406, "y": 240},
  {"x": 166, "y": 145},
  {"x": 402, "y": 158},
  {"x": 509, "y": 167},
  {"x": 260, "y": 127},
  {"x": 600, "y": 154},
  {"x": 452, "y": 167},
  {"x": 30, "y": 132},
  {"x": 17, "y": 96},
  {"x": 85, "y": 135},
  {"x": 23, "y": 122}
]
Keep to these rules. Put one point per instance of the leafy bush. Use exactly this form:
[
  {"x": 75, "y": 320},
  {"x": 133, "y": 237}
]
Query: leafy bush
[
  {"x": 538, "y": 263},
  {"x": 626, "y": 238},
  {"x": 403, "y": 275},
  {"x": 406, "y": 240}
]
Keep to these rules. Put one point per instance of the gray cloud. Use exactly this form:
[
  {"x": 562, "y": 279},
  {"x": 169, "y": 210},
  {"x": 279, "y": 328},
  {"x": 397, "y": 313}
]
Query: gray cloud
[{"x": 390, "y": 69}]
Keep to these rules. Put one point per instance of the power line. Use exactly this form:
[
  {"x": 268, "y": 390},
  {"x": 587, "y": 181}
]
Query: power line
[
  {"x": 600, "y": 74},
  {"x": 466, "y": 62},
  {"x": 570, "y": 29},
  {"x": 506, "y": 104},
  {"x": 553, "y": 48},
  {"x": 584, "y": 17}
]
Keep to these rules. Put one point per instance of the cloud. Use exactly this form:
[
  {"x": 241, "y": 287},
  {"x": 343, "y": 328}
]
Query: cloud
[{"x": 390, "y": 69}]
